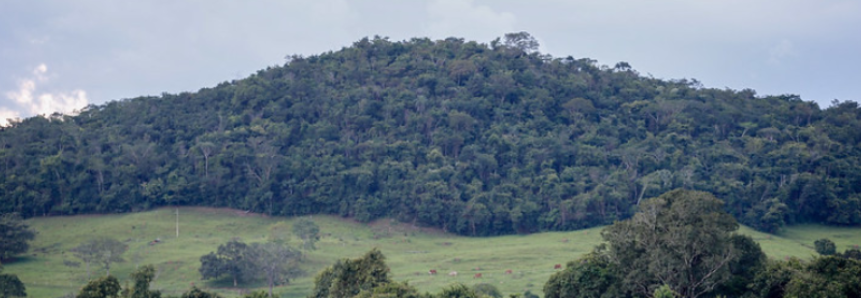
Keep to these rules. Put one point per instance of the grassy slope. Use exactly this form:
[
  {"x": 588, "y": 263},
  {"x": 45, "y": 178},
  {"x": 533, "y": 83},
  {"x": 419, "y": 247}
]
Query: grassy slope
[{"x": 411, "y": 252}]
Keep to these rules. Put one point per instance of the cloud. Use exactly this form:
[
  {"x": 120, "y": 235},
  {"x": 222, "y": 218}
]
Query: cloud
[
  {"x": 31, "y": 102},
  {"x": 779, "y": 52},
  {"x": 6, "y": 115},
  {"x": 463, "y": 18}
]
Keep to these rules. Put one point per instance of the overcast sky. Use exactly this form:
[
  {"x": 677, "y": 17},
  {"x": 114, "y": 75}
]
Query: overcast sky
[{"x": 61, "y": 55}]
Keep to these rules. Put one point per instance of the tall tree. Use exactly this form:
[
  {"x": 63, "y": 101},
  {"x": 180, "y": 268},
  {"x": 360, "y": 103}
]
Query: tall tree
[
  {"x": 103, "y": 250},
  {"x": 276, "y": 262},
  {"x": 88, "y": 252},
  {"x": 232, "y": 259},
  {"x": 308, "y": 231},
  {"x": 681, "y": 239},
  {"x": 142, "y": 278},
  {"x": 14, "y": 235}
]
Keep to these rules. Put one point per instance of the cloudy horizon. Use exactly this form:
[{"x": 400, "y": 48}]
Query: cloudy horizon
[{"x": 59, "y": 56}]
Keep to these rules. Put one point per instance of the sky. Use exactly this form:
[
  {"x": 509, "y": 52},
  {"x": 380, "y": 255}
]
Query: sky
[{"x": 60, "y": 55}]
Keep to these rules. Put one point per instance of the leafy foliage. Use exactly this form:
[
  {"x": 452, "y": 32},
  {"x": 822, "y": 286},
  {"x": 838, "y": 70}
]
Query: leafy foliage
[
  {"x": 198, "y": 293},
  {"x": 277, "y": 263},
  {"x": 142, "y": 279},
  {"x": 14, "y": 235},
  {"x": 592, "y": 276},
  {"x": 104, "y": 287},
  {"x": 825, "y": 247},
  {"x": 232, "y": 259},
  {"x": 347, "y": 278},
  {"x": 308, "y": 231},
  {"x": 11, "y": 285},
  {"x": 679, "y": 244},
  {"x": 472, "y": 138}
]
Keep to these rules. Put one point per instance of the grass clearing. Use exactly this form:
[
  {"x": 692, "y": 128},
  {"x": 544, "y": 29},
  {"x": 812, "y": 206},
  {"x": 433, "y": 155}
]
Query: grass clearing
[{"x": 411, "y": 252}]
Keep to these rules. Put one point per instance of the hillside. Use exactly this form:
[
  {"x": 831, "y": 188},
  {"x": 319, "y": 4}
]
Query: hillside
[
  {"x": 410, "y": 251},
  {"x": 474, "y": 139}
]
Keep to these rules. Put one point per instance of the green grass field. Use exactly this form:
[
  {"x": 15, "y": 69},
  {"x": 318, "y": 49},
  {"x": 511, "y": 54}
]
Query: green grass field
[{"x": 410, "y": 251}]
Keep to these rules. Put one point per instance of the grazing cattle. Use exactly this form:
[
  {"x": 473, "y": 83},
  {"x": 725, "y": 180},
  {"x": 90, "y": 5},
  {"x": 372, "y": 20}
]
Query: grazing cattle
[
  {"x": 557, "y": 266},
  {"x": 432, "y": 272},
  {"x": 508, "y": 271},
  {"x": 453, "y": 273},
  {"x": 477, "y": 275}
]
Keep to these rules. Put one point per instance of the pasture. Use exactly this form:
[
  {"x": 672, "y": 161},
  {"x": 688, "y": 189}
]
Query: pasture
[{"x": 411, "y": 251}]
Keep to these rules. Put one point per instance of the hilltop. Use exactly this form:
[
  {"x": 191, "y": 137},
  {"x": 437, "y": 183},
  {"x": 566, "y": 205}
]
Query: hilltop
[{"x": 471, "y": 138}]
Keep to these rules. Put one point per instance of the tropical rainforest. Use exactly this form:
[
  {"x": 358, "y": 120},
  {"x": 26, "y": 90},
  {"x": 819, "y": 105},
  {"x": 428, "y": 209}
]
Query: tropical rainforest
[{"x": 473, "y": 138}]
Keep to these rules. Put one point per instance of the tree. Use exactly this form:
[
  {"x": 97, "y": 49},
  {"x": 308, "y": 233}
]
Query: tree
[
  {"x": 591, "y": 276},
  {"x": 486, "y": 290},
  {"x": 198, "y": 293},
  {"x": 522, "y": 41},
  {"x": 825, "y": 247},
  {"x": 102, "y": 250},
  {"x": 11, "y": 286},
  {"x": 393, "y": 290},
  {"x": 104, "y": 287},
  {"x": 347, "y": 278},
  {"x": 14, "y": 235},
  {"x": 276, "y": 262},
  {"x": 211, "y": 266},
  {"x": 88, "y": 252},
  {"x": 308, "y": 231},
  {"x": 457, "y": 291},
  {"x": 681, "y": 239},
  {"x": 142, "y": 279},
  {"x": 231, "y": 259}
]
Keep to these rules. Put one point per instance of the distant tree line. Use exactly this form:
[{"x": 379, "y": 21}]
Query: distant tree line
[{"x": 476, "y": 139}]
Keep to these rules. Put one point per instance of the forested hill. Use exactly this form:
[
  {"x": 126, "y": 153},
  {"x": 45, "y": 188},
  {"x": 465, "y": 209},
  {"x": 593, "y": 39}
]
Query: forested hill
[{"x": 477, "y": 139}]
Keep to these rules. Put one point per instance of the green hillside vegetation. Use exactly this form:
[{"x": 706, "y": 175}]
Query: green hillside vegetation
[
  {"x": 410, "y": 251},
  {"x": 471, "y": 138}
]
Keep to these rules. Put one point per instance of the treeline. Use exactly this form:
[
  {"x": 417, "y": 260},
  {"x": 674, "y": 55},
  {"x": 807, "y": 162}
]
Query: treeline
[{"x": 477, "y": 139}]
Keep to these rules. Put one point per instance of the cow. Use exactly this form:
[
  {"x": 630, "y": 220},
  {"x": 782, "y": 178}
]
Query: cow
[
  {"x": 453, "y": 273},
  {"x": 508, "y": 271},
  {"x": 432, "y": 272},
  {"x": 477, "y": 275},
  {"x": 557, "y": 266}
]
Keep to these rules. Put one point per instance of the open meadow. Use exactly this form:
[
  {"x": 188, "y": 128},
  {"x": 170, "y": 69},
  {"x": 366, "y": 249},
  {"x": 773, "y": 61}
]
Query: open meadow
[{"x": 47, "y": 269}]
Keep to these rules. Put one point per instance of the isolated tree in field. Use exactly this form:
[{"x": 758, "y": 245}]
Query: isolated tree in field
[
  {"x": 681, "y": 239},
  {"x": 825, "y": 247},
  {"x": 104, "y": 287},
  {"x": 14, "y": 235},
  {"x": 276, "y": 262},
  {"x": 87, "y": 252},
  {"x": 11, "y": 286},
  {"x": 231, "y": 259},
  {"x": 308, "y": 231},
  {"x": 102, "y": 250}
]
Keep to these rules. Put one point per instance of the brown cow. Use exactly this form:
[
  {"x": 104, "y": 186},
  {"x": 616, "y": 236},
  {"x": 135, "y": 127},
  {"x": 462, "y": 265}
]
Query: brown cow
[
  {"x": 508, "y": 271},
  {"x": 557, "y": 266},
  {"x": 477, "y": 275},
  {"x": 432, "y": 272}
]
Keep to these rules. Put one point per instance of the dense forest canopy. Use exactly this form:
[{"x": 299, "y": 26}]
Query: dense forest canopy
[{"x": 476, "y": 139}]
